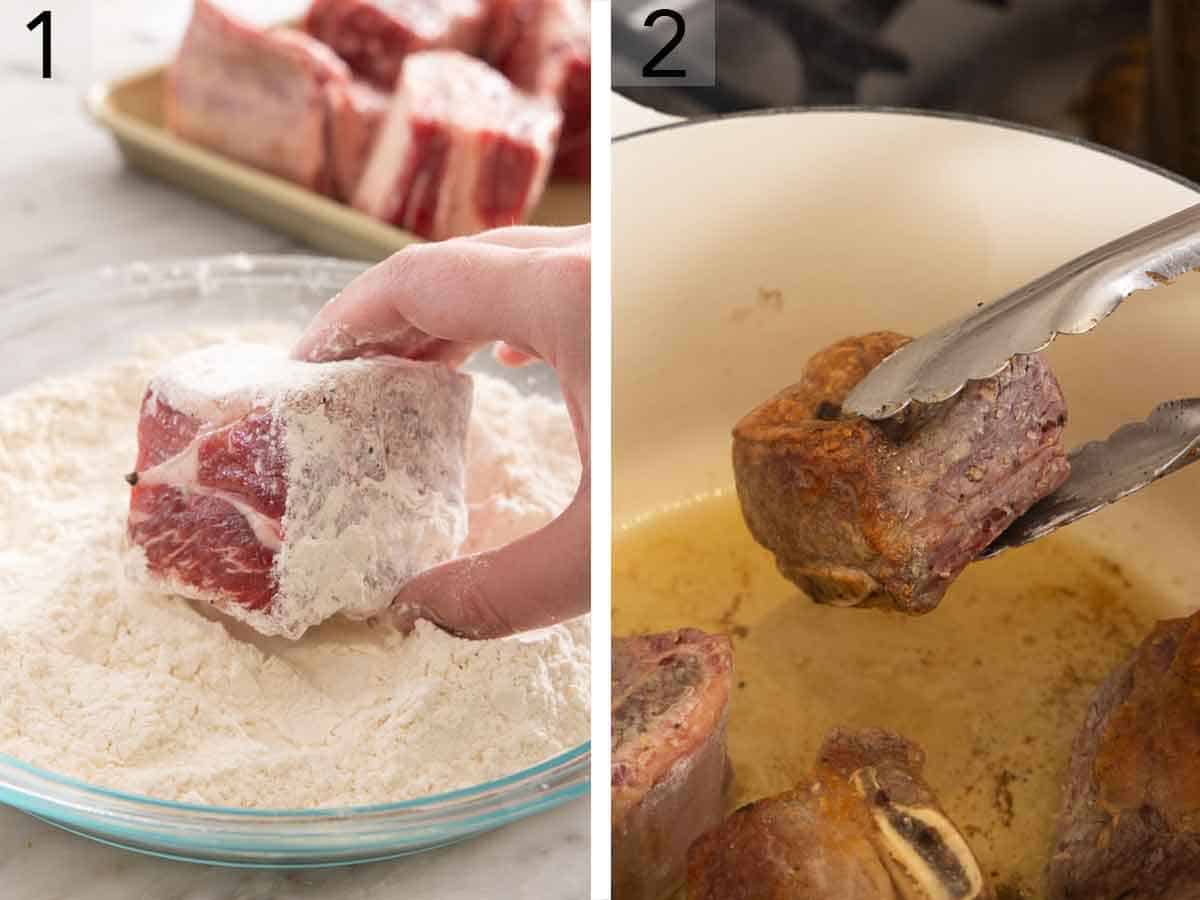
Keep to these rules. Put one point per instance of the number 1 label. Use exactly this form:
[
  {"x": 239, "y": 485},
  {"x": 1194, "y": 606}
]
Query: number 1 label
[{"x": 42, "y": 20}]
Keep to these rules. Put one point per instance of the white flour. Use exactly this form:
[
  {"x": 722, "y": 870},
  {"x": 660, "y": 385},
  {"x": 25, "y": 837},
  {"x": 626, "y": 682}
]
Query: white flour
[{"x": 131, "y": 689}]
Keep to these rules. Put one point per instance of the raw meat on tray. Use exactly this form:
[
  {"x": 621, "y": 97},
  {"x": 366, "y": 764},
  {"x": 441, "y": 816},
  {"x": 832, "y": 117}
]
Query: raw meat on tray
[
  {"x": 356, "y": 113},
  {"x": 862, "y": 513},
  {"x": 374, "y": 36},
  {"x": 544, "y": 48},
  {"x": 574, "y": 92},
  {"x": 670, "y": 699},
  {"x": 255, "y": 95},
  {"x": 461, "y": 150},
  {"x": 284, "y": 492}
]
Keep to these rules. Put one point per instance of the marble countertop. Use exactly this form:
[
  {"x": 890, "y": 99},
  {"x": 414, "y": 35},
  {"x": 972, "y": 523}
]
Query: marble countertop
[{"x": 71, "y": 205}]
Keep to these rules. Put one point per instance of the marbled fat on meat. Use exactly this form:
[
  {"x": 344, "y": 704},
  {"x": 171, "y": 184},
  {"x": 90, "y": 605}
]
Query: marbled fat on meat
[
  {"x": 374, "y": 36},
  {"x": 255, "y": 95},
  {"x": 222, "y": 492},
  {"x": 356, "y": 113},
  {"x": 284, "y": 492},
  {"x": 544, "y": 48},
  {"x": 461, "y": 150}
]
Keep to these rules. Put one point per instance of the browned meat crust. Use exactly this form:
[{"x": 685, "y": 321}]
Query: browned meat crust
[
  {"x": 860, "y": 513},
  {"x": 669, "y": 765},
  {"x": 1130, "y": 821},
  {"x": 867, "y": 828}
]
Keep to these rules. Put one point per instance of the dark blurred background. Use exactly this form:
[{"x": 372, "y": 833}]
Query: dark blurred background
[{"x": 1125, "y": 73}]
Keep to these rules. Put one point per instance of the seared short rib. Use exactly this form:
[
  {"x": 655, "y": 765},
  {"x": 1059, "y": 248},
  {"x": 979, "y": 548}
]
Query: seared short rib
[
  {"x": 1130, "y": 821},
  {"x": 868, "y": 827},
  {"x": 862, "y": 513},
  {"x": 669, "y": 768}
]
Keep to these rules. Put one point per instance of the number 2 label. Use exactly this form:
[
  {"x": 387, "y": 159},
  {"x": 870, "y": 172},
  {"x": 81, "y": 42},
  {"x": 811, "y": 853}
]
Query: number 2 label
[{"x": 651, "y": 70}]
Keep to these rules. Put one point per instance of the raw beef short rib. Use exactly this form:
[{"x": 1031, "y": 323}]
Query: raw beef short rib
[
  {"x": 256, "y": 96},
  {"x": 544, "y": 48},
  {"x": 574, "y": 92},
  {"x": 860, "y": 513},
  {"x": 867, "y": 827},
  {"x": 283, "y": 492},
  {"x": 1130, "y": 820},
  {"x": 461, "y": 149},
  {"x": 669, "y": 767},
  {"x": 374, "y": 36},
  {"x": 356, "y": 113}
]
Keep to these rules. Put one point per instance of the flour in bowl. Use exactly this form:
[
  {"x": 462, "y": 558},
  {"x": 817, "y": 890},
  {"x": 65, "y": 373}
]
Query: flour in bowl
[{"x": 125, "y": 687}]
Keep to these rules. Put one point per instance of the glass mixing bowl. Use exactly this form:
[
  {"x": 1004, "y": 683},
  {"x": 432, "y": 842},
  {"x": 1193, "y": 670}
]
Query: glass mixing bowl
[{"x": 66, "y": 324}]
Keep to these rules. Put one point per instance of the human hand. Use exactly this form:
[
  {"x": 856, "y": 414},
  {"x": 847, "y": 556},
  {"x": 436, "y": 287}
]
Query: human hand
[{"x": 530, "y": 289}]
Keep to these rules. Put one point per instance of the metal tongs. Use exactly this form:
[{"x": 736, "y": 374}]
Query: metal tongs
[{"x": 1072, "y": 299}]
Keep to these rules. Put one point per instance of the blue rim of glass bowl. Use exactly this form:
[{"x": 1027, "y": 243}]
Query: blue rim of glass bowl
[
  {"x": 263, "y": 836},
  {"x": 282, "y": 837}
]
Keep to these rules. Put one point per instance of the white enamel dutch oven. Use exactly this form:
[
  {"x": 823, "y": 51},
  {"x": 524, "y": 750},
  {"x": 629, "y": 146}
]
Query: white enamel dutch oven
[
  {"x": 743, "y": 244},
  {"x": 868, "y": 220}
]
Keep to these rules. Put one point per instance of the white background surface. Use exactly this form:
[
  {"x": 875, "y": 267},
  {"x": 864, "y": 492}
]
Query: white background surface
[{"x": 70, "y": 205}]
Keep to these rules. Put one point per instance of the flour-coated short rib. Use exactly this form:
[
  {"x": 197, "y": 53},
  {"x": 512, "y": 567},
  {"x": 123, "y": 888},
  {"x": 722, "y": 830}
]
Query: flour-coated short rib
[{"x": 283, "y": 492}]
